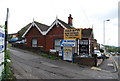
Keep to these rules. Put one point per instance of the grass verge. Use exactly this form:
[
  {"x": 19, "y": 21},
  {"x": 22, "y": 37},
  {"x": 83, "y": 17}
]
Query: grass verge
[
  {"x": 52, "y": 57},
  {"x": 7, "y": 74}
]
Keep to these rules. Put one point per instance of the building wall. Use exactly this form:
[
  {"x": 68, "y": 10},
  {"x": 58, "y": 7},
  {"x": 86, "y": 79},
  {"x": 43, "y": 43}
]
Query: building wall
[
  {"x": 34, "y": 33},
  {"x": 45, "y": 41},
  {"x": 57, "y": 32}
]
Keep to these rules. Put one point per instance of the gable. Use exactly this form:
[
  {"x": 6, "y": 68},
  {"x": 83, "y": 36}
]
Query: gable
[
  {"x": 44, "y": 29},
  {"x": 55, "y": 23},
  {"x": 33, "y": 25},
  {"x": 56, "y": 30},
  {"x": 33, "y": 32}
]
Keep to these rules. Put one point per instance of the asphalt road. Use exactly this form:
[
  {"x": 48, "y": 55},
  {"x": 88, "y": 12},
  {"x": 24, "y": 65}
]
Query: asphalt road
[
  {"x": 117, "y": 62},
  {"x": 27, "y": 65}
]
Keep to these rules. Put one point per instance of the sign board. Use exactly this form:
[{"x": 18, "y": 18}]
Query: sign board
[
  {"x": 53, "y": 50},
  {"x": 68, "y": 43},
  {"x": 2, "y": 36},
  {"x": 60, "y": 52},
  {"x": 72, "y": 33},
  {"x": 84, "y": 46},
  {"x": 67, "y": 53}
]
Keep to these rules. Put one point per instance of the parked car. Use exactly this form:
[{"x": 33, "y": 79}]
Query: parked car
[
  {"x": 104, "y": 56},
  {"x": 118, "y": 54},
  {"x": 13, "y": 40},
  {"x": 113, "y": 54},
  {"x": 99, "y": 55}
]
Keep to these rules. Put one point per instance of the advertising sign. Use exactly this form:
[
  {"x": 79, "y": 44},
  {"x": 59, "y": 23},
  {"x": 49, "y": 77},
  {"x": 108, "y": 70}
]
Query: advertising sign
[
  {"x": 72, "y": 33},
  {"x": 68, "y": 43},
  {"x": 67, "y": 55},
  {"x": 84, "y": 46},
  {"x": 2, "y": 35}
]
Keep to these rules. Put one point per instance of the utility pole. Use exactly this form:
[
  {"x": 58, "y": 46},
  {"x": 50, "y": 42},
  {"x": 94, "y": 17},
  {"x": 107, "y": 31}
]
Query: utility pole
[
  {"x": 6, "y": 33},
  {"x": 6, "y": 28}
]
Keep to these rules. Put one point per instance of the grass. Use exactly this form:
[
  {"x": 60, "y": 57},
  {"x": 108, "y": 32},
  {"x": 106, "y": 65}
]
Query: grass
[
  {"x": 7, "y": 74},
  {"x": 52, "y": 57},
  {"x": 9, "y": 45}
]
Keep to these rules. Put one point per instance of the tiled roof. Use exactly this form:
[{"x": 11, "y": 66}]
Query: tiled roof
[
  {"x": 42, "y": 27},
  {"x": 87, "y": 33},
  {"x": 65, "y": 24},
  {"x": 23, "y": 30}
]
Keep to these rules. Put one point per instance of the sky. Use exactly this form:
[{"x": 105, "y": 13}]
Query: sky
[{"x": 85, "y": 13}]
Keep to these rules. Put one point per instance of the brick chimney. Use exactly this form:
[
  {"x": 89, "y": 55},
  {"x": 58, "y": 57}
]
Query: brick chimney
[{"x": 70, "y": 20}]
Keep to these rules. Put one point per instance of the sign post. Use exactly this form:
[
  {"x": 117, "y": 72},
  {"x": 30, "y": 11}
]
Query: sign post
[
  {"x": 69, "y": 43},
  {"x": 68, "y": 46}
]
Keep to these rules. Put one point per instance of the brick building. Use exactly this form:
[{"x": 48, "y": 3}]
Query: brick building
[
  {"x": 49, "y": 37},
  {"x": 46, "y": 37}
]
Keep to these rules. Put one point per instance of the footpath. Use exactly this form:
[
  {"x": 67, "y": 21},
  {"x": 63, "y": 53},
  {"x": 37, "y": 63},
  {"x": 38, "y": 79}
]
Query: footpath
[{"x": 107, "y": 65}]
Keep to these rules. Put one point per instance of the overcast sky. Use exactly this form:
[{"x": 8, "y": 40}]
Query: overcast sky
[{"x": 85, "y": 13}]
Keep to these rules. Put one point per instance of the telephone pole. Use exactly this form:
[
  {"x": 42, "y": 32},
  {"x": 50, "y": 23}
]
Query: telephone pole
[
  {"x": 6, "y": 29},
  {"x": 6, "y": 34}
]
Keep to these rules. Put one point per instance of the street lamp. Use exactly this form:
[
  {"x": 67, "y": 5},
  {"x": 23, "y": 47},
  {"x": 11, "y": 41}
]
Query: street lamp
[{"x": 104, "y": 30}]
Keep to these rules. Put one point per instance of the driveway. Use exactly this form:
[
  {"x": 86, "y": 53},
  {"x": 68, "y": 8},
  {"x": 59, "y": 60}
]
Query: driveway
[{"x": 28, "y": 65}]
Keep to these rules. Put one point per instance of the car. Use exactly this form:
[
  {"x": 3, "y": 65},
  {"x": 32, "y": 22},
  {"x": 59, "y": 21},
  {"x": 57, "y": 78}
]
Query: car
[
  {"x": 99, "y": 55},
  {"x": 12, "y": 40},
  {"x": 118, "y": 54},
  {"x": 113, "y": 54},
  {"x": 104, "y": 56}
]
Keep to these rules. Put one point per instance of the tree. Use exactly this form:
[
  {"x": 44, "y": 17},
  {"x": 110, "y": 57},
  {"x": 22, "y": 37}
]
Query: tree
[
  {"x": 119, "y": 49},
  {"x": 101, "y": 50}
]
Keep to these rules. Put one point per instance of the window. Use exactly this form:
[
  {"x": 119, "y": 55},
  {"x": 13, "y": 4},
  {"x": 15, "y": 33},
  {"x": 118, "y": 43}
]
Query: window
[
  {"x": 57, "y": 44},
  {"x": 34, "y": 42}
]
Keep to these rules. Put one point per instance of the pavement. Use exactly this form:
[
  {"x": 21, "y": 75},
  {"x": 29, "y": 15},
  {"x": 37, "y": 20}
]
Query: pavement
[
  {"x": 108, "y": 65},
  {"x": 99, "y": 62},
  {"x": 117, "y": 64},
  {"x": 32, "y": 66}
]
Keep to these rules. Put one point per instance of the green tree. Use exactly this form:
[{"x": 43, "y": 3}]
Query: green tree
[{"x": 101, "y": 50}]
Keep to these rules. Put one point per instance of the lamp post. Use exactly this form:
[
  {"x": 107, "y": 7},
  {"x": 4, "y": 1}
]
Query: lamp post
[{"x": 104, "y": 30}]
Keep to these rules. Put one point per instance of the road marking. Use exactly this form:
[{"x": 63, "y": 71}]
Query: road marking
[
  {"x": 109, "y": 64},
  {"x": 96, "y": 68}
]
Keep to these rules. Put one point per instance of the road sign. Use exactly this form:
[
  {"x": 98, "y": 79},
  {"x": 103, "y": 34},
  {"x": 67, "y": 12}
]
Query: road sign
[
  {"x": 2, "y": 36},
  {"x": 68, "y": 43},
  {"x": 72, "y": 34},
  {"x": 67, "y": 53}
]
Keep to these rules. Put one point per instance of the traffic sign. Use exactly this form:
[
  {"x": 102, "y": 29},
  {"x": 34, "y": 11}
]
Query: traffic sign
[{"x": 68, "y": 43}]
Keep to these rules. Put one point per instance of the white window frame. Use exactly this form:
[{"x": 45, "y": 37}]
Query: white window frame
[{"x": 34, "y": 42}]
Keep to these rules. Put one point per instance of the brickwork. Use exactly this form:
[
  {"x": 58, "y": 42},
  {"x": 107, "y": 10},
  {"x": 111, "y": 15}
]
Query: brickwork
[{"x": 45, "y": 41}]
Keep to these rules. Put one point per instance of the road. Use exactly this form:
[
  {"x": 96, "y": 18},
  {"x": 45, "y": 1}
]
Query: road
[
  {"x": 117, "y": 62},
  {"x": 27, "y": 65}
]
